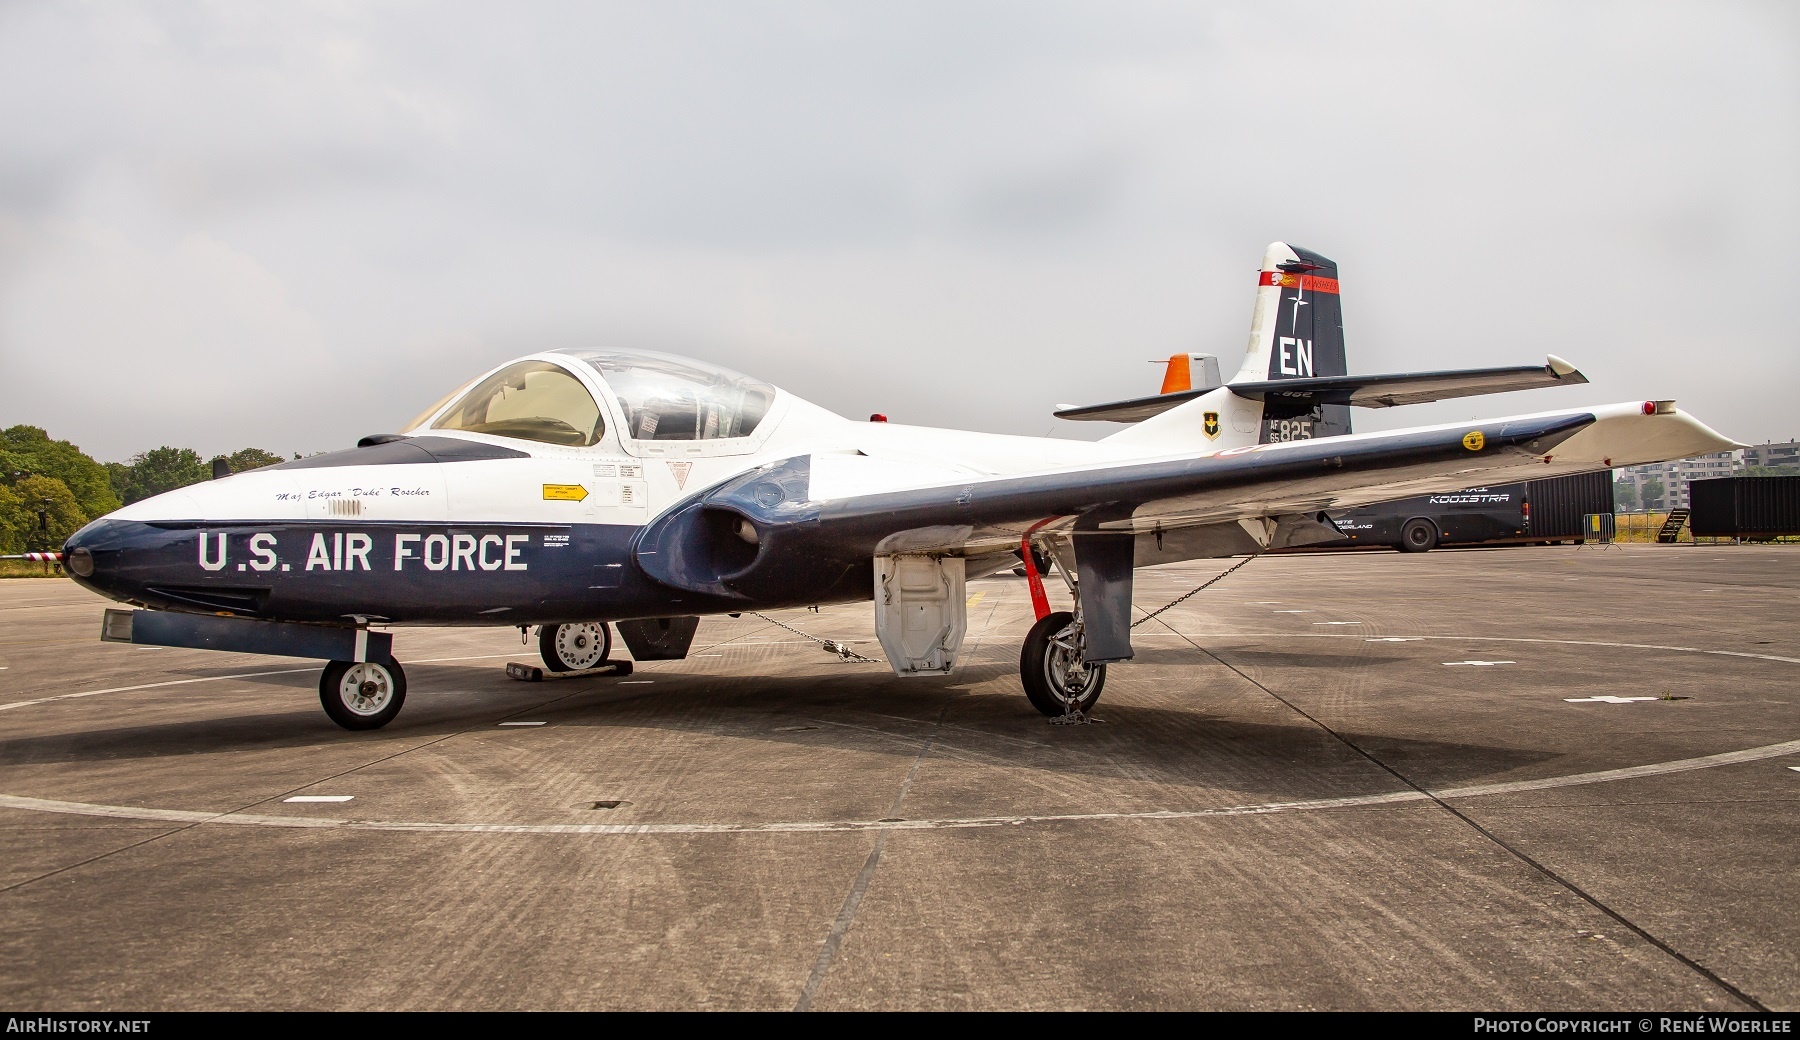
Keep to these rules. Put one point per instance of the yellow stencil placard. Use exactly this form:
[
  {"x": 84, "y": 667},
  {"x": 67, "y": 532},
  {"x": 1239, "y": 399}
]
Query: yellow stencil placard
[
  {"x": 1473, "y": 440},
  {"x": 564, "y": 492}
]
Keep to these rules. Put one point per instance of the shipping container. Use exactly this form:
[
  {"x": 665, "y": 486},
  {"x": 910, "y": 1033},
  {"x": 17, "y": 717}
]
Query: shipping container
[
  {"x": 1550, "y": 510},
  {"x": 1558, "y": 505},
  {"x": 1745, "y": 507}
]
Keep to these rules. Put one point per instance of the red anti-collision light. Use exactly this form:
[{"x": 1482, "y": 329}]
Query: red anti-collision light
[
  {"x": 878, "y": 417},
  {"x": 1649, "y": 407}
]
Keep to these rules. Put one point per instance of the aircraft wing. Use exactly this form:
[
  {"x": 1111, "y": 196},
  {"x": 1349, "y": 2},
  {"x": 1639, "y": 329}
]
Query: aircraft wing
[
  {"x": 1380, "y": 391},
  {"x": 764, "y": 530}
]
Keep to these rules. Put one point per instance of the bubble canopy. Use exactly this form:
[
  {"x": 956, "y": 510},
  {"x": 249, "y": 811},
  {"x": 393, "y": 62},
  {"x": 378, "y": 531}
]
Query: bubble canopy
[
  {"x": 669, "y": 398},
  {"x": 530, "y": 401},
  {"x": 663, "y": 398}
]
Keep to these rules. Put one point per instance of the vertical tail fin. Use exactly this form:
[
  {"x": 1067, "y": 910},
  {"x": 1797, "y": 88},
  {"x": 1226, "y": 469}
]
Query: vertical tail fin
[{"x": 1296, "y": 331}]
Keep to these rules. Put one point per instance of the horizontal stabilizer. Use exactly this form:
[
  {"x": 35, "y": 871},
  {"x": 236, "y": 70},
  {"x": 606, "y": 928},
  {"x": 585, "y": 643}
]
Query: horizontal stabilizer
[
  {"x": 1384, "y": 391},
  {"x": 1135, "y": 410}
]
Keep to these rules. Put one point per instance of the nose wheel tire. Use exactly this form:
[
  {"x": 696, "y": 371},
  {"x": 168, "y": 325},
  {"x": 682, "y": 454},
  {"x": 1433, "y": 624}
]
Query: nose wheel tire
[
  {"x": 1419, "y": 536},
  {"x": 362, "y": 694},
  {"x": 1057, "y": 681},
  {"x": 574, "y": 648}
]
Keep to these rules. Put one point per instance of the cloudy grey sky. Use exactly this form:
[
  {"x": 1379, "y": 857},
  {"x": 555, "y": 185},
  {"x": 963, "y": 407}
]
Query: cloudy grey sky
[{"x": 288, "y": 225}]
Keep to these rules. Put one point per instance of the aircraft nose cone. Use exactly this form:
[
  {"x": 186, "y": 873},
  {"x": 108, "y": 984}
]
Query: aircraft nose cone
[
  {"x": 93, "y": 555},
  {"x": 78, "y": 561}
]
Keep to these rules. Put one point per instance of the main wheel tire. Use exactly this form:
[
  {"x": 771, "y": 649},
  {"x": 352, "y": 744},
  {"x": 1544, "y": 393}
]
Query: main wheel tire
[
  {"x": 362, "y": 695},
  {"x": 1418, "y": 536},
  {"x": 574, "y": 648},
  {"x": 1056, "y": 680}
]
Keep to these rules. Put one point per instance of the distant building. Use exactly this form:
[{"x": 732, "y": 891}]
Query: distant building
[
  {"x": 1639, "y": 484},
  {"x": 1774, "y": 454}
]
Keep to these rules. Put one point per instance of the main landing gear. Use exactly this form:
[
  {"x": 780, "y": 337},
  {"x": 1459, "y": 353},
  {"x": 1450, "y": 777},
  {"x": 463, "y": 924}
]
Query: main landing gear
[
  {"x": 1057, "y": 682},
  {"x": 574, "y": 648},
  {"x": 362, "y": 694}
]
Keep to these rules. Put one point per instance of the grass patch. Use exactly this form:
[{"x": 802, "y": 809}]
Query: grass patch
[{"x": 28, "y": 569}]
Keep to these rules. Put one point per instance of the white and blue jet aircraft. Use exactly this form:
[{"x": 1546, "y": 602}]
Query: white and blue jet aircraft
[{"x": 574, "y": 489}]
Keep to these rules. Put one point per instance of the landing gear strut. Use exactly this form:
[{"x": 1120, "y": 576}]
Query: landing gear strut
[
  {"x": 1057, "y": 681},
  {"x": 362, "y": 694},
  {"x": 574, "y": 648}
]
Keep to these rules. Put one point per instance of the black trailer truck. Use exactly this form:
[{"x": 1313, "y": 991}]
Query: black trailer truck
[{"x": 1534, "y": 511}]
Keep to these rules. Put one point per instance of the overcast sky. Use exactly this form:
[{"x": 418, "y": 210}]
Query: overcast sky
[{"x": 287, "y": 225}]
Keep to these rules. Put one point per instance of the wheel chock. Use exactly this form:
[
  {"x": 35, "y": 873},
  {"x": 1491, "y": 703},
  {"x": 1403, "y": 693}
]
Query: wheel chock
[{"x": 535, "y": 673}]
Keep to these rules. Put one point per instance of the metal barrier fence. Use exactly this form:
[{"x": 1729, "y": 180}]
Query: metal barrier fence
[{"x": 1642, "y": 528}]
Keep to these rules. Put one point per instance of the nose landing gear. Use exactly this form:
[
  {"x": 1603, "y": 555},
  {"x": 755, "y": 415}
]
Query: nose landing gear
[{"x": 1057, "y": 681}]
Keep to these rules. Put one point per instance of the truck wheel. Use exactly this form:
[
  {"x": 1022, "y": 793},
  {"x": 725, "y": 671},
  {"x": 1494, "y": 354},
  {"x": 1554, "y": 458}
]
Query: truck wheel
[
  {"x": 1418, "y": 536},
  {"x": 362, "y": 694},
  {"x": 574, "y": 648}
]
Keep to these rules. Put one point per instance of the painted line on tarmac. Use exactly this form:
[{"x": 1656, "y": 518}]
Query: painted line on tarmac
[
  {"x": 1230, "y": 635},
  {"x": 129, "y": 812},
  {"x": 147, "y": 686},
  {"x": 777, "y": 642},
  {"x": 217, "y": 678},
  {"x": 1494, "y": 639},
  {"x": 1631, "y": 646}
]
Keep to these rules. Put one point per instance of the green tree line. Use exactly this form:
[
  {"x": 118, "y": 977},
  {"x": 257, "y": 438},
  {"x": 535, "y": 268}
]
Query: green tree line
[{"x": 49, "y": 489}]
